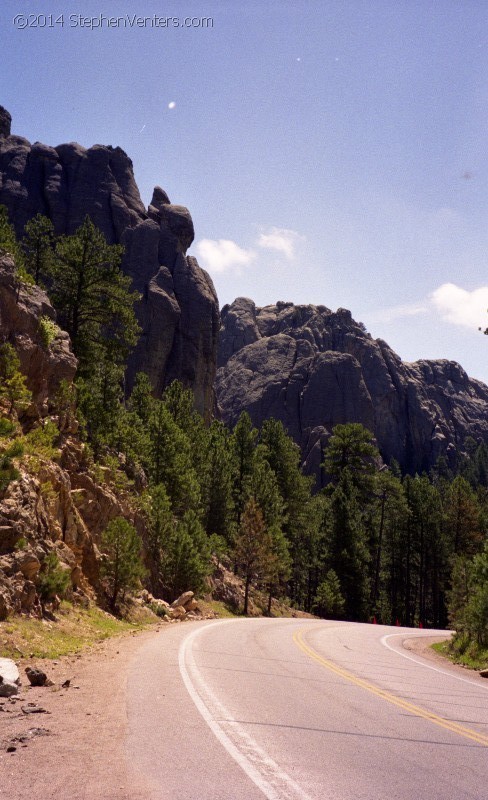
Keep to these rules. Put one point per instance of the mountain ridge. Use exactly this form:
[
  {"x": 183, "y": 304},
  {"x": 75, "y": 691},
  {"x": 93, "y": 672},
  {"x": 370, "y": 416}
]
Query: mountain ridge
[{"x": 313, "y": 368}]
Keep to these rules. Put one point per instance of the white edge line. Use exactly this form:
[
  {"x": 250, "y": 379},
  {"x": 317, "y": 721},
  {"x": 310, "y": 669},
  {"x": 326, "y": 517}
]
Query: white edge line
[
  {"x": 424, "y": 663},
  {"x": 254, "y": 774}
]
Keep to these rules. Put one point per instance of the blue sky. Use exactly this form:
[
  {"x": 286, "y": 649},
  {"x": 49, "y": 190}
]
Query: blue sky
[{"x": 329, "y": 152}]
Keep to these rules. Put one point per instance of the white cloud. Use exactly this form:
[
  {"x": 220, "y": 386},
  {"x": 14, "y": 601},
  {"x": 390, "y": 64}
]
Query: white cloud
[
  {"x": 219, "y": 255},
  {"x": 461, "y": 307},
  {"x": 397, "y": 312},
  {"x": 282, "y": 240}
]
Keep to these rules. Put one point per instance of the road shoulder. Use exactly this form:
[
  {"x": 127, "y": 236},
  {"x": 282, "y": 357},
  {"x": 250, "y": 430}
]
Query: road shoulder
[{"x": 76, "y": 749}]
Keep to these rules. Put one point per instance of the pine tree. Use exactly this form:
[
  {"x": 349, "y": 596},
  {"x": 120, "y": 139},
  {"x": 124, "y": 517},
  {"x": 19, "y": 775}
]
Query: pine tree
[
  {"x": 462, "y": 518},
  {"x": 389, "y": 512},
  {"x": 161, "y": 526},
  {"x": 99, "y": 397},
  {"x": 426, "y": 555},
  {"x": 253, "y": 547},
  {"x": 8, "y": 239},
  {"x": 328, "y": 601},
  {"x": 122, "y": 566},
  {"x": 219, "y": 506},
  {"x": 141, "y": 401},
  {"x": 92, "y": 297},
  {"x": 52, "y": 580},
  {"x": 351, "y": 447},
  {"x": 13, "y": 387},
  {"x": 170, "y": 461},
  {"x": 468, "y": 606},
  {"x": 299, "y": 525},
  {"x": 347, "y": 551},
  {"x": 186, "y": 558},
  {"x": 38, "y": 248},
  {"x": 243, "y": 443},
  {"x": 262, "y": 487},
  {"x": 180, "y": 403}
]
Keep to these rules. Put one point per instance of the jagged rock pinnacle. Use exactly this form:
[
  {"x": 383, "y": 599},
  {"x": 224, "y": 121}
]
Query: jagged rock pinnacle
[{"x": 5, "y": 122}]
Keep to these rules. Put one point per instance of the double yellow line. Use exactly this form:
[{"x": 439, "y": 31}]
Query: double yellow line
[{"x": 454, "y": 727}]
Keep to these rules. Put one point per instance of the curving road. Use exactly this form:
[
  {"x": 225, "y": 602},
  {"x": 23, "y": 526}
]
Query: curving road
[{"x": 302, "y": 710}]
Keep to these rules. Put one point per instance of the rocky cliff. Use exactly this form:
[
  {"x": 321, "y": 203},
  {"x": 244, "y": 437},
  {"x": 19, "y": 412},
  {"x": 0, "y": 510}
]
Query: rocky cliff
[
  {"x": 312, "y": 368},
  {"x": 178, "y": 312},
  {"x": 54, "y": 503},
  {"x": 21, "y": 310},
  {"x": 37, "y": 509}
]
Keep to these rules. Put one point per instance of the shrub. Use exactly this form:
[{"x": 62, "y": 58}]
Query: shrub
[
  {"x": 158, "y": 609},
  {"x": 48, "y": 330},
  {"x": 21, "y": 543},
  {"x": 53, "y": 579},
  {"x": 41, "y": 441},
  {"x": 8, "y": 471},
  {"x": 13, "y": 387},
  {"x": 7, "y": 427}
]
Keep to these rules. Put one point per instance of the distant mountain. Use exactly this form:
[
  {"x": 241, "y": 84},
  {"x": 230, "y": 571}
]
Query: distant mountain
[
  {"x": 312, "y": 368},
  {"x": 178, "y": 312}
]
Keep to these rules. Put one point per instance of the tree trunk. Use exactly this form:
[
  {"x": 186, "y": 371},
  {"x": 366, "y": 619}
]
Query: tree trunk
[
  {"x": 246, "y": 594},
  {"x": 376, "y": 589}
]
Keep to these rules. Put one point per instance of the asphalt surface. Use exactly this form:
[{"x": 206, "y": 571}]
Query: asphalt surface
[{"x": 302, "y": 710}]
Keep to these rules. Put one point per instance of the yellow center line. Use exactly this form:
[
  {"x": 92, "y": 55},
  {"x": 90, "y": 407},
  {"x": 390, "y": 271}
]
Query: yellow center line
[{"x": 454, "y": 727}]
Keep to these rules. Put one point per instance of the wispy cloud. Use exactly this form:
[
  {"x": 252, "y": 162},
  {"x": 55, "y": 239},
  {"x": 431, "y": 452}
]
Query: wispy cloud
[
  {"x": 397, "y": 312},
  {"x": 452, "y": 303},
  {"x": 221, "y": 255},
  {"x": 281, "y": 239},
  {"x": 461, "y": 307}
]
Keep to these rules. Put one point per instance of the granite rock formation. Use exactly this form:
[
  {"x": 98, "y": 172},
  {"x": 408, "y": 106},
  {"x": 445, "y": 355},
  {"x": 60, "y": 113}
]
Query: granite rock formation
[
  {"x": 44, "y": 364},
  {"x": 312, "y": 369},
  {"x": 178, "y": 312}
]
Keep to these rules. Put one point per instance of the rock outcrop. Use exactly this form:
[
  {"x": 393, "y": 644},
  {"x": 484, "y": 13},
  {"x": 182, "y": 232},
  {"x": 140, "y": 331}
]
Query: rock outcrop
[
  {"x": 23, "y": 310},
  {"x": 178, "y": 312},
  {"x": 312, "y": 369},
  {"x": 53, "y": 504}
]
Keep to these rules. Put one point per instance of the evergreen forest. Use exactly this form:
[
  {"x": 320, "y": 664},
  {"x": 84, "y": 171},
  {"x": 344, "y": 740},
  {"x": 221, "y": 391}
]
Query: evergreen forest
[{"x": 373, "y": 545}]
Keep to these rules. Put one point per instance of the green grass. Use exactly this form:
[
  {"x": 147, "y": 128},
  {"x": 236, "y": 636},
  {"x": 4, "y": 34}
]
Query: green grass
[
  {"x": 461, "y": 650},
  {"x": 75, "y": 630},
  {"x": 217, "y": 607}
]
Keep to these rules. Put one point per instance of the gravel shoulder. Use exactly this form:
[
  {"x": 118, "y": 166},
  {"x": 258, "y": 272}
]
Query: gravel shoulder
[
  {"x": 76, "y": 750},
  {"x": 422, "y": 646}
]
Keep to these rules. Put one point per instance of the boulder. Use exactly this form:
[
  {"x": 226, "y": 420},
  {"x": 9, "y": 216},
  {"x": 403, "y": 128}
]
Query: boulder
[
  {"x": 178, "y": 612},
  {"x": 9, "y": 671},
  {"x": 9, "y": 678},
  {"x": 7, "y": 689},
  {"x": 36, "y": 676},
  {"x": 29, "y": 565},
  {"x": 182, "y": 600}
]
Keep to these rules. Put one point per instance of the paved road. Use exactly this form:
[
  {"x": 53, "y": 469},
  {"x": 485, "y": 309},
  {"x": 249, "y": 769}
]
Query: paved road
[{"x": 302, "y": 710}]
